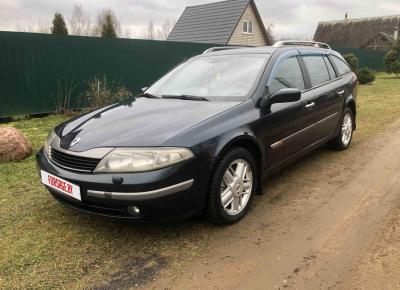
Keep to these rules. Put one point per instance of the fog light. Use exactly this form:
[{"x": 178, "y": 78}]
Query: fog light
[{"x": 133, "y": 210}]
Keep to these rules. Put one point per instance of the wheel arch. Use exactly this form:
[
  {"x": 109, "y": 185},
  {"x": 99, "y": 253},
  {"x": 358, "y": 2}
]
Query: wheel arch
[
  {"x": 251, "y": 144},
  {"x": 351, "y": 104}
]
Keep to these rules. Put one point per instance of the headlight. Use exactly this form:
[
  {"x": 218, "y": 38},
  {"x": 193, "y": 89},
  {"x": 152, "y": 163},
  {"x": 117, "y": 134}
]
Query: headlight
[
  {"x": 47, "y": 143},
  {"x": 142, "y": 159}
]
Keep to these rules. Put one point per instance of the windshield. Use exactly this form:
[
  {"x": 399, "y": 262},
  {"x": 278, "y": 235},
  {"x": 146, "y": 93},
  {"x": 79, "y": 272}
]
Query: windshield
[{"x": 215, "y": 78}]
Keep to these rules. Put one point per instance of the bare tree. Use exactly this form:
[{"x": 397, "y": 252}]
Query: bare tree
[
  {"x": 79, "y": 21},
  {"x": 157, "y": 32},
  {"x": 166, "y": 29},
  {"x": 150, "y": 31},
  {"x": 270, "y": 36},
  {"x": 39, "y": 27}
]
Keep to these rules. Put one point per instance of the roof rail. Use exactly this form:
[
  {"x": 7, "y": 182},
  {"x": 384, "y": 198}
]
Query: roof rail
[
  {"x": 302, "y": 42},
  {"x": 219, "y": 48}
]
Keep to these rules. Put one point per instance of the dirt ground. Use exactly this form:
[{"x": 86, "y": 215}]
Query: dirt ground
[{"x": 333, "y": 225}]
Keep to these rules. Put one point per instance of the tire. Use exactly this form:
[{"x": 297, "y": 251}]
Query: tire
[
  {"x": 240, "y": 191},
  {"x": 346, "y": 129}
]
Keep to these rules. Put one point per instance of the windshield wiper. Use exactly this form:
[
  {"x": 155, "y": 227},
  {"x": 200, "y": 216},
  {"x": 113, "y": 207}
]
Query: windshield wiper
[
  {"x": 284, "y": 82},
  {"x": 185, "y": 97},
  {"x": 147, "y": 95}
]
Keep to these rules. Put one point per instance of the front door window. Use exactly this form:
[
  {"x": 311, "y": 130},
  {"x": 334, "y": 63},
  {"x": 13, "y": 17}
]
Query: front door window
[{"x": 288, "y": 74}]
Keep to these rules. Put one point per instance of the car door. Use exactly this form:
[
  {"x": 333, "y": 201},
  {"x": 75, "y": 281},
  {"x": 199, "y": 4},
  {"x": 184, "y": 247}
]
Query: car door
[
  {"x": 344, "y": 77},
  {"x": 323, "y": 97},
  {"x": 285, "y": 125}
]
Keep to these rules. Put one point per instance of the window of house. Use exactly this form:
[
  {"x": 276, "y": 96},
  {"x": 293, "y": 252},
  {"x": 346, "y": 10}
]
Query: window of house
[
  {"x": 341, "y": 66},
  {"x": 248, "y": 27},
  {"x": 287, "y": 75},
  {"x": 317, "y": 69}
]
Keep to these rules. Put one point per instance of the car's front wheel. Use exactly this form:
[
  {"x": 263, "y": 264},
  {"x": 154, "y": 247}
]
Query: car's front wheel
[
  {"x": 343, "y": 140},
  {"x": 232, "y": 187}
]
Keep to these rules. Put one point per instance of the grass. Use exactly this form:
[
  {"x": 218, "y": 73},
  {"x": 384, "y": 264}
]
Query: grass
[
  {"x": 378, "y": 104},
  {"x": 44, "y": 245}
]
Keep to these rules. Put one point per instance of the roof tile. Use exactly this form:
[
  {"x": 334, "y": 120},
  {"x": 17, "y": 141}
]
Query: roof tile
[{"x": 209, "y": 23}]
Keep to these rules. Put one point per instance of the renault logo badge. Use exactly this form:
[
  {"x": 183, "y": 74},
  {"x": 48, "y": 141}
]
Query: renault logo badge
[{"x": 75, "y": 141}]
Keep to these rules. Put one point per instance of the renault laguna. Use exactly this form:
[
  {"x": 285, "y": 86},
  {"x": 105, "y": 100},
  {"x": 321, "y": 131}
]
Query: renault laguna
[{"x": 201, "y": 139}]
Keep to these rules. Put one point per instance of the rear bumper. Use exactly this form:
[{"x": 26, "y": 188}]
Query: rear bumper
[{"x": 170, "y": 193}]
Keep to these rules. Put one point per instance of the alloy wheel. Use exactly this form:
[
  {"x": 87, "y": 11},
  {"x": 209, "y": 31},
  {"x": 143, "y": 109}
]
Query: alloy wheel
[
  {"x": 347, "y": 129},
  {"x": 236, "y": 187}
]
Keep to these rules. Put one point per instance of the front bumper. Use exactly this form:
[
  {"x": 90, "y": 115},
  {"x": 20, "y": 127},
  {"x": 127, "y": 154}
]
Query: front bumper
[{"x": 175, "y": 192}]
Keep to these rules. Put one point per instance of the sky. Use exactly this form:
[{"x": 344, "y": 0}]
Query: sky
[{"x": 290, "y": 19}]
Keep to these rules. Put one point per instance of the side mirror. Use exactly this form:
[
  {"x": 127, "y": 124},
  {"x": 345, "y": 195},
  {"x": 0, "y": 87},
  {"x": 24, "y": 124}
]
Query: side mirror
[
  {"x": 142, "y": 90},
  {"x": 282, "y": 96}
]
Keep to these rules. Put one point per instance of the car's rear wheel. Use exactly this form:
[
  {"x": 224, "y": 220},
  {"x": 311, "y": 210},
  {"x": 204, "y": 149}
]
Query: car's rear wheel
[
  {"x": 343, "y": 140},
  {"x": 232, "y": 187}
]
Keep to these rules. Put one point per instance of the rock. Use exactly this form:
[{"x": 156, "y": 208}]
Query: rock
[
  {"x": 13, "y": 145},
  {"x": 285, "y": 283}
]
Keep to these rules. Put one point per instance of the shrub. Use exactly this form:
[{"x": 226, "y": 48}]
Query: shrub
[
  {"x": 392, "y": 59},
  {"x": 366, "y": 76},
  {"x": 63, "y": 96},
  {"x": 352, "y": 60},
  {"x": 101, "y": 93}
]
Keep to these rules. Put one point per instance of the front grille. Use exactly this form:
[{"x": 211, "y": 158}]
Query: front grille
[{"x": 73, "y": 162}]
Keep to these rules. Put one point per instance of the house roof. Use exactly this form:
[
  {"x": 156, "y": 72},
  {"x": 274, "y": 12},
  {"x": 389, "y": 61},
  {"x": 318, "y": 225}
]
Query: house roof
[
  {"x": 209, "y": 23},
  {"x": 356, "y": 33}
]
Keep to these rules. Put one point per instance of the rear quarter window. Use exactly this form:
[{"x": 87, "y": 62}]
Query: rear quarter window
[{"x": 341, "y": 66}]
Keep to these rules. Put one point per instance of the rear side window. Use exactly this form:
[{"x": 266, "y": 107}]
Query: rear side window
[
  {"x": 341, "y": 66},
  {"x": 287, "y": 75},
  {"x": 330, "y": 68},
  {"x": 317, "y": 69}
]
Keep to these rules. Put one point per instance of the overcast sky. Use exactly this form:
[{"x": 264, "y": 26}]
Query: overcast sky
[{"x": 290, "y": 18}]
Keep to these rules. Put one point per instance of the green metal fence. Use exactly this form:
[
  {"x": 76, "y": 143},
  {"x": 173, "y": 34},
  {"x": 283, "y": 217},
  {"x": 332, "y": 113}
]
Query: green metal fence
[
  {"x": 372, "y": 59},
  {"x": 32, "y": 65}
]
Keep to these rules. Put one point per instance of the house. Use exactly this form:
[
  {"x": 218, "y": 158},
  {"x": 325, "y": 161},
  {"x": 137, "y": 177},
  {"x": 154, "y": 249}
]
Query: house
[
  {"x": 377, "y": 33},
  {"x": 231, "y": 22}
]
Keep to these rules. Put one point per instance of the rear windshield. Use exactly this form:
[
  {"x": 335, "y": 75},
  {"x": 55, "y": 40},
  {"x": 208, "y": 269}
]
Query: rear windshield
[{"x": 217, "y": 78}]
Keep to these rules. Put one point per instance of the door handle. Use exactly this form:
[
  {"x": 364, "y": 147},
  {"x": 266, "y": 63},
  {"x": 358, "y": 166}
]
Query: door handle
[
  {"x": 310, "y": 106},
  {"x": 341, "y": 93}
]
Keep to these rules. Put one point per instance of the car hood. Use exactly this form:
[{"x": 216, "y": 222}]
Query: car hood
[{"x": 141, "y": 123}]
